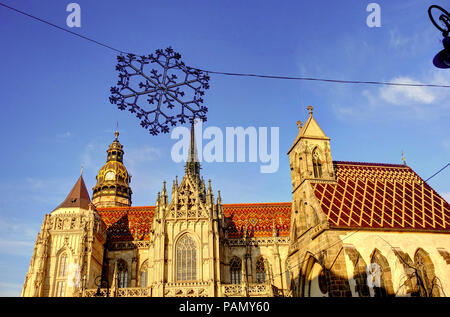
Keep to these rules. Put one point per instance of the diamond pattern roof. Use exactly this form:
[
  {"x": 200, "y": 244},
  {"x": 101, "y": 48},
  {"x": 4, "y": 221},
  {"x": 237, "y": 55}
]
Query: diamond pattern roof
[{"x": 382, "y": 196}]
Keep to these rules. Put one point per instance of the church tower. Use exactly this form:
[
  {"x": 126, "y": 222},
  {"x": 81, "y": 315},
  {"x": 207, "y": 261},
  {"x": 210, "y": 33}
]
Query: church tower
[
  {"x": 113, "y": 181},
  {"x": 310, "y": 162},
  {"x": 185, "y": 241},
  {"x": 68, "y": 253},
  {"x": 310, "y": 155},
  {"x": 312, "y": 165}
]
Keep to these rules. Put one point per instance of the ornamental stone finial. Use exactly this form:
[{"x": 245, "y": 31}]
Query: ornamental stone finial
[{"x": 310, "y": 109}]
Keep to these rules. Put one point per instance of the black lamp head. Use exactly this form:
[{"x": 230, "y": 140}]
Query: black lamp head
[{"x": 442, "y": 59}]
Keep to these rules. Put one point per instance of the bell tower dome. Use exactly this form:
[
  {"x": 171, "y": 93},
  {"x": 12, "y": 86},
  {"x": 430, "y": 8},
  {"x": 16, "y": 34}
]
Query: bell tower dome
[{"x": 113, "y": 181}]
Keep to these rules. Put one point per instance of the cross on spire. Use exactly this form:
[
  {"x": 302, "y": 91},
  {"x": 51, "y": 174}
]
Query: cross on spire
[{"x": 116, "y": 133}]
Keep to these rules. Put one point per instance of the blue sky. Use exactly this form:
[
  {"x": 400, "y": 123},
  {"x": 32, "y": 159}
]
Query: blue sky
[{"x": 55, "y": 113}]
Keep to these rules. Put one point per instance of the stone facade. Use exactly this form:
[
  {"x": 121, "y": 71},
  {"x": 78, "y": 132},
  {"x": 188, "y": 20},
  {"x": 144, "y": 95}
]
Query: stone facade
[
  {"x": 352, "y": 229},
  {"x": 68, "y": 253}
]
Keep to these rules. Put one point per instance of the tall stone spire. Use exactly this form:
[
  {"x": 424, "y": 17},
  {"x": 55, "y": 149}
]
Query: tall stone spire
[{"x": 192, "y": 164}]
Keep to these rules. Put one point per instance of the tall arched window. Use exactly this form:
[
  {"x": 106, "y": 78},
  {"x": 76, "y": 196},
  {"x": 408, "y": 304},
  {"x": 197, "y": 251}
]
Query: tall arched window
[
  {"x": 144, "y": 275},
  {"x": 61, "y": 278},
  {"x": 315, "y": 283},
  {"x": 235, "y": 270},
  {"x": 122, "y": 274},
  {"x": 62, "y": 265},
  {"x": 186, "y": 254},
  {"x": 260, "y": 271},
  {"x": 317, "y": 165}
]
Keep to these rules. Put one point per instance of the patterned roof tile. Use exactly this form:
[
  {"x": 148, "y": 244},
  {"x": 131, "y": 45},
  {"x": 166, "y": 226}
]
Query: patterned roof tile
[
  {"x": 258, "y": 219},
  {"x": 127, "y": 223},
  {"x": 382, "y": 196},
  {"x": 134, "y": 223}
]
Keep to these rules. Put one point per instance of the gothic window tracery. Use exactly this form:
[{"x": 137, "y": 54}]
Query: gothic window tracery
[
  {"x": 62, "y": 272},
  {"x": 60, "y": 290},
  {"x": 235, "y": 270},
  {"x": 122, "y": 274},
  {"x": 186, "y": 259},
  {"x": 425, "y": 277},
  {"x": 144, "y": 275},
  {"x": 317, "y": 164},
  {"x": 260, "y": 271}
]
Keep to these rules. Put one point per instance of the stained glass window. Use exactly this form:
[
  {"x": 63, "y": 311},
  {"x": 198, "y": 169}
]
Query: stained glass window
[
  {"x": 122, "y": 274},
  {"x": 60, "y": 288},
  {"x": 62, "y": 265},
  {"x": 144, "y": 274},
  {"x": 235, "y": 270},
  {"x": 186, "y": 259},
  {"x": 317, "y": 165},
  {"x": 260, "y": 271}
]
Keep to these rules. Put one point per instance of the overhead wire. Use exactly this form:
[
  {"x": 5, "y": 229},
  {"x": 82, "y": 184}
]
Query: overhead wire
[
  {"x": 437, "y": 172},
  {"x": 61, "y": 28},
  {"x": 328, "y": 80}
]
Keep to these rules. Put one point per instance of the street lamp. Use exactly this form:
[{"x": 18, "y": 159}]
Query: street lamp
[
  {"x": 442, "y": 59},
  {"x": 99, "y": 282}
]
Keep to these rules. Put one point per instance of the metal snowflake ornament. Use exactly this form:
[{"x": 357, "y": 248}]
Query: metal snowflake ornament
[{"x": 172, "y": 94}]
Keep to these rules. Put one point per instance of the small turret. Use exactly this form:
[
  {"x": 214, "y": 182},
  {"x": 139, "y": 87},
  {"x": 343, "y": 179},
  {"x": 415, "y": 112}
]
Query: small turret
[
  {"x": 220, "y": 214},
  {"x": 158, "y": 200},
  {"x": 209, "y": 195},
  {"x": 164, "y": 198}
]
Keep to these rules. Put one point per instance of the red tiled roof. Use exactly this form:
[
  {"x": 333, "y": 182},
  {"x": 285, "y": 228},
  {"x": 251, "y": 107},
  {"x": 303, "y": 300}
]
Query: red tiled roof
[
  {"x": 258, "y": 218},
  {"x": 382, "y": 196},
  {"x": 130, "y": 223}
]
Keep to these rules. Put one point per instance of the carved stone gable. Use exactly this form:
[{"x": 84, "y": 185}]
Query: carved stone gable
[{"x": 189, "y": 201}]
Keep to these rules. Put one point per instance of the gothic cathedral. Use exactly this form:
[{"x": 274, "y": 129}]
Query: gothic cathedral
[{"x": 351, "y": 229}]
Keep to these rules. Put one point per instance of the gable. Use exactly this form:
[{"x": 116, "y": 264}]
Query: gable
[{"x": 311, "y": 129}]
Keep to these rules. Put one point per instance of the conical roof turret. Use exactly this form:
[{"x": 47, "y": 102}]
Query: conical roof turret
[{"x": 78, "y": 196}]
